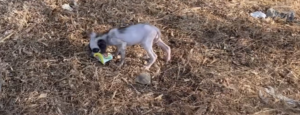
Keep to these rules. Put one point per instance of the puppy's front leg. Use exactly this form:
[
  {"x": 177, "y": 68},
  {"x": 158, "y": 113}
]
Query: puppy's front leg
[
  {"x": 122, "y": 50},
  {"x": 118, "y": 50}
]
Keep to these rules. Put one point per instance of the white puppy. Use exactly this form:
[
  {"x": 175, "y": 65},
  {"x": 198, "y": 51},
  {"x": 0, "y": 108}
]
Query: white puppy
[{"x": 143, "y": 34}]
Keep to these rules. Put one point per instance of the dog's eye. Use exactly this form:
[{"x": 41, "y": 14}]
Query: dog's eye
[{"x": 95, "y": 50}]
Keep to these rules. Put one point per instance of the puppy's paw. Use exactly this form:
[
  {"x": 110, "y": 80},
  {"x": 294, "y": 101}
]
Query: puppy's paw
[
  {"x": 120, "y": 64},
  {"x": 167, "y": 58},
  {"x": 115, "y": 54}
]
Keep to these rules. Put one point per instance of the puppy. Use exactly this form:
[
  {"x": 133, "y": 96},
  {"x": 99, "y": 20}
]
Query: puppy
[{"x": 139, "y": 34}]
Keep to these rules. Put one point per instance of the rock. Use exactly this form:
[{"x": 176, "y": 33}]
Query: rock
[
  {"x": 281, "y": 12},
  {"x": 143, "y": 78}
]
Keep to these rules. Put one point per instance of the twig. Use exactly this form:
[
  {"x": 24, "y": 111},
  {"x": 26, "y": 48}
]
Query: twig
[
  {"x": 131, "y": 86},
  {"x": 7, "y": 37}
]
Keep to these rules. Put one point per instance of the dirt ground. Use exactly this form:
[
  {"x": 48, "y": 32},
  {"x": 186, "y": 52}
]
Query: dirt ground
[{"x": 223, "y": 60}]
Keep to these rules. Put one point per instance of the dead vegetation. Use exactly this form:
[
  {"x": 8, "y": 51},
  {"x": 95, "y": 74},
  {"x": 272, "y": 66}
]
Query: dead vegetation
[{"x": 222, "y": 58}]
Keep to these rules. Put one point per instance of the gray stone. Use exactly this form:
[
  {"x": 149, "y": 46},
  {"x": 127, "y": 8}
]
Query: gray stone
[
  {"x": 143, "y": 78},
  {"x": 281, "y": 12}
]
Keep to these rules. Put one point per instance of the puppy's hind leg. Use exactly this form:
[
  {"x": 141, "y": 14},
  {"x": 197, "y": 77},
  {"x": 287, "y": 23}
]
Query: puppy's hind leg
[
  {"x": 151, "y": 54},
  {"x": 165, "y": 48}
]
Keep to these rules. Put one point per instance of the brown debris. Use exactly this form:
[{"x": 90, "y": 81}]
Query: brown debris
[{"x": 221, "y": 58}]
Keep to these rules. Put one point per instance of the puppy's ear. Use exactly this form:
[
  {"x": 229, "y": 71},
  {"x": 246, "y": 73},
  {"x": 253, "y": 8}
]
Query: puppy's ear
[
  {"x": 93, "y": 35},
  {"x": 102, "y": 45}
]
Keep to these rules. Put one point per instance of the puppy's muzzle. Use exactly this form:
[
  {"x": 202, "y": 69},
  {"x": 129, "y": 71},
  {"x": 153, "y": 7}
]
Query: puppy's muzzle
[{"x": 95, "y": 50}]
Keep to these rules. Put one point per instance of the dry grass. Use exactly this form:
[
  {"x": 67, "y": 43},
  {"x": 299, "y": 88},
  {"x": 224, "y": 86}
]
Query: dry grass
[{"x": 221, "y": 58}]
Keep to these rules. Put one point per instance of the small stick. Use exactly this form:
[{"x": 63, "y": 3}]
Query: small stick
[
  {"x": 2, "y": 39},
  {"x": 136, "y": 91}
]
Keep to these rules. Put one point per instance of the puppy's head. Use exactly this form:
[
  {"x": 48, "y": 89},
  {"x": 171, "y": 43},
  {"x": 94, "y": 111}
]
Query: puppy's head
[{"x": 97, "y": 44}]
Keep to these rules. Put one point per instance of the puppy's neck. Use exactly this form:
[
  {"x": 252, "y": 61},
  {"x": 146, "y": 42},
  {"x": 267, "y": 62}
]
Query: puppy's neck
[
  {"x": 108, "y": 35},
  {"x": 105, "y": 37}
]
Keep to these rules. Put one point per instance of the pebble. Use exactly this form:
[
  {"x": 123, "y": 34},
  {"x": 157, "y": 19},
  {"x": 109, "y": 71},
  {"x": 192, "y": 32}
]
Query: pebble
[{"x": 143, "y": 78}]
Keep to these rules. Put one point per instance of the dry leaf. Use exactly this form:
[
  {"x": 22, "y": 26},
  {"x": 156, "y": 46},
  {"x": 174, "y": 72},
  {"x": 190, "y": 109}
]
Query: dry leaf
[
  {"x": 186, "y": 80},
  {"x": 43, "y": 95},
  {"x": 159, "y": 97}
]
